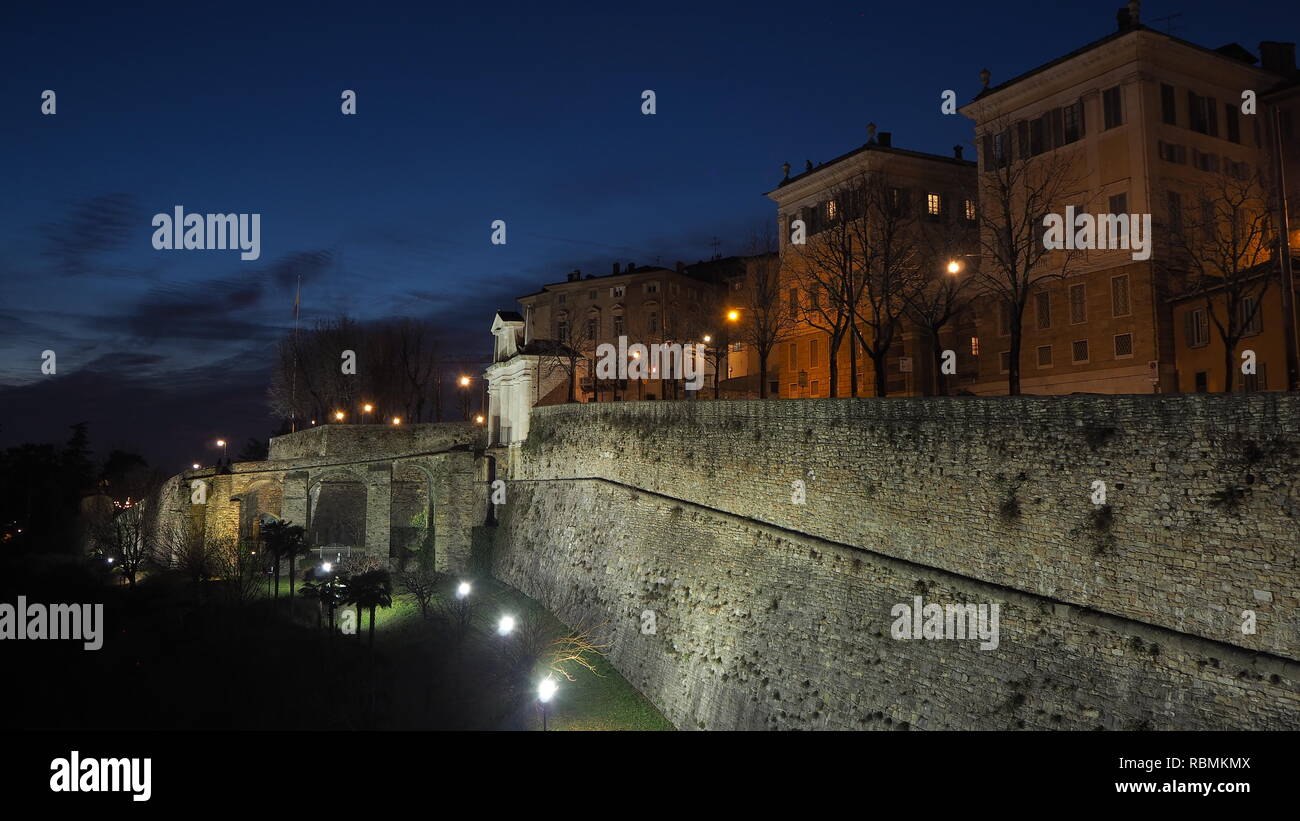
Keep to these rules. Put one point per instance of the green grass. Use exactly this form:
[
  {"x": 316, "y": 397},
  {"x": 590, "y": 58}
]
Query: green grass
[{"x": 602, "y": 700}]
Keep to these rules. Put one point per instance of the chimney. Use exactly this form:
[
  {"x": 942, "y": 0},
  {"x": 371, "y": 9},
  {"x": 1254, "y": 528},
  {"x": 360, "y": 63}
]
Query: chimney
[
  {"x": 630, "y": 266},
  {"x": 885, "y": 139},
  {"x": 616, "y": 268},
  {"x": 1127, "y": 18},
  {"x": 871, "y": 132},
  {"x": 681, "y": 266},
  {"x": 956, "y": 151},
  {"x": 1278, "y": 57},
  {"x": 575, "y": 276}
]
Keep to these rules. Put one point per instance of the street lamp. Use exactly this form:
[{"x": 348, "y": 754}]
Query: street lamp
[
  {"x": 478, "y": 419},
  {"x": 196, "y": 465},
  {"x": 462, "y": 590},
  {"x": 222, "y": 444},
  {"x": 338, "y": 416},
  {"x": 545, "y": 691},
  {"x": 366, "y": 409},
  {"x": 397, "y": 420},
  {"x": 954, "y": 266},
  {"x": 733, "y": 315},
  {"x": 506, "y": 625}
]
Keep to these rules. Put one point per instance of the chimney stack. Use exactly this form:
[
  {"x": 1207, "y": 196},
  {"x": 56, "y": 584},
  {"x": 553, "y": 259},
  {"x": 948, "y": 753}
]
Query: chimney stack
[
  {"x": 1127, "y": 18},
  {"x": 956, "y": 151},
  {"x": 1278, "y": 57},
  {"x": 616, "y": 268},
  {"x": 681, "y": 266},
  {"x": 575, "y": 275}
]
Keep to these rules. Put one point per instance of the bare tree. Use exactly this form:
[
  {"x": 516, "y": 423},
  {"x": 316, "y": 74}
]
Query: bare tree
[
  {"x": 945, "y": 291},
  {"x": 1016, "y": 193},
  {"x": 1222, "y": 254},
  {"x": 765, "y": 320},
  {"x": 126, "y": 539}
]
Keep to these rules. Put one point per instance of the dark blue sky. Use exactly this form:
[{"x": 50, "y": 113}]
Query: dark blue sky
[{"x": 490, "y": 111}]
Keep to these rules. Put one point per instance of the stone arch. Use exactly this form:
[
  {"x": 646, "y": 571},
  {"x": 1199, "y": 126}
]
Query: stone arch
[
  {"x": 258, "y": 500},
  {"x": 337, "y": 504},
  {"x": 412, "y": 497}
]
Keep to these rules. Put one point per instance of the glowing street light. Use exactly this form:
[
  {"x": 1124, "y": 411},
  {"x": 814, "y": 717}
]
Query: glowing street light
[
  {"x": 327, "y": 567},
  {"x": 708, "y": 338},
  {"x": 545, "y": 691},
  {"x": 196, "y": 465},
  {"x": 462, "y": 590},
  {"x": 506, "y": 625},
  {"x": 366, "y": 409},
  {"x": 733, "y": 315},
  {"x": 397, "y": 420},
  {"x": 338, "y": 416},
  {"x": 954, "y": 266},
  {"x": 221, "y": 443},
  {"x": 464, "y": 381},
  {"x": 478, "y": 419}
]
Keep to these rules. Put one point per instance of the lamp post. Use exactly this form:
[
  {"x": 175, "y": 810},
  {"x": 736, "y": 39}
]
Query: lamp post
[
  {"x": 338, "y": 416},
  {"x": 464, "y": 383},
  {"x": 222, "y": 444},
  {"x": 545, "y": 691},
  {"x": 366, "y": 409}
]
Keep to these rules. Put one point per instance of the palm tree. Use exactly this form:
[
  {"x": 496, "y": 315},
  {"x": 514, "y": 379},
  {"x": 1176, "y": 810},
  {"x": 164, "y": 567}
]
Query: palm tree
[
  {"x": 371, "y": 590},
  {"x": 285, "y": 540},
  {"x": 327, "y": 591}
]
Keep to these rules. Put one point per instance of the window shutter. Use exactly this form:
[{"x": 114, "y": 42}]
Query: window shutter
[{"x": 989, "y": 163}]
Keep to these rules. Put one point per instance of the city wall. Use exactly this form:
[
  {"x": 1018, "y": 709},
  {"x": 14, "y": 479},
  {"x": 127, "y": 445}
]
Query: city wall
[{"x": 745, "y": 557}]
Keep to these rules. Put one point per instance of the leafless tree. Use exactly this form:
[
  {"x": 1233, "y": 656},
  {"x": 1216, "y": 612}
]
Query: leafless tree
[
  {"x": 1016, "y": 191},
  {"x": 1222, "y": 254},
  {"x": 946, "y": 266},
  {"x": 765, "y": 320}
]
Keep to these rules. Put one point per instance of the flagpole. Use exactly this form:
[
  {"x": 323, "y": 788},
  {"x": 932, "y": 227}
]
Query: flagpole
[{"x": 293, "y": 394}]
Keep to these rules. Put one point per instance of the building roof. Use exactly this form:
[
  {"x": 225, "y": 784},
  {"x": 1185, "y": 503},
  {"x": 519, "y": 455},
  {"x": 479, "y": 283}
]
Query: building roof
[
  {"x": 871, "y": 146},
  {"x": 1231, "y": 51},
  {"x": 510, "y": 316}
]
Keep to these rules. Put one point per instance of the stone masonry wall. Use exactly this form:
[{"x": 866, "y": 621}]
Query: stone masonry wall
[{"x": 776, "y": 614}]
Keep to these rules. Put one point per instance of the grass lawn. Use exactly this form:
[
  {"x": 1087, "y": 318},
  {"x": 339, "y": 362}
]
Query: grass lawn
[{"x": 603, "y": 700}]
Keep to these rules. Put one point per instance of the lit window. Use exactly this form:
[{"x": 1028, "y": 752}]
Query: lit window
[
  {"x": 970, "y": 210},
  {"x": 974, "y": 346},
  {"x": 933, "y": 205}
]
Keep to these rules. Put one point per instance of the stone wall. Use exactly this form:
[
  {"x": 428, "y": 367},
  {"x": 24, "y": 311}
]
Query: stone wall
[{"x": 777, "y": 614}]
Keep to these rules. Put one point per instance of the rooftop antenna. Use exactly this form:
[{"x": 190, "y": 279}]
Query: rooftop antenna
[
  {"x": 1169, "y": 20},
  {"x": 715, "y": 244}
]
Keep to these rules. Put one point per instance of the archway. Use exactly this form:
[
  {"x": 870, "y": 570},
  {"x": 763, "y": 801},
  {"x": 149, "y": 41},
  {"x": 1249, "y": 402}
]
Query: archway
[
  {"x": 336, "y": 505},
  {"x": 411, "y": 516}
]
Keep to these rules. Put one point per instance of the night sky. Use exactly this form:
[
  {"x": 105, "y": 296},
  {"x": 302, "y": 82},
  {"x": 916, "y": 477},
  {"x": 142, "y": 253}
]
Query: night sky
[{"x": 488, "y": 111}]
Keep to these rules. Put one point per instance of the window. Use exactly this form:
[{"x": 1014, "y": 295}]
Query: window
[
  {"x": 970, "y": 210},
  {"x": 592, "y": 293},
  {"x": 562, "y": 330},
  {"x": 561, "y": 298},
  {"x": 1252, "y": 317},
  {"x": 1196, "y": 327},
  {"x": 1078, "y": 304},
  {"x": 1044, "y": 356},
  {"x": 1123, "y": 346},
  {"x": 1202, "y": 114},
  {"x": 794, "y": 302},
  {"x": 618, "y": 325},
  {"x": 593, "y": 328},
  {"x": 617, "y": 291},
  {"x": 997, "y": 149},
  {"x": 1230, "y": 120},
  {"x": 1112, "y": 107},
  {"x": 1172, "y": 152},
  {"x": 652, "y": 287},
  {"x": 812, "y": 353},
  {"x": 1004, "y": 361},
  {"x": 1043, "y": 309},
  {"x": 1202, "y": 383},
  {"x": 792, "y": 355},
  {"x": 1168, "y": 105},
  {"x": 1073, "y": 121},
  {"x": 933, "y": 205},
  {"x": 1257, "y": 381},
  {"x": 794, "y": 390},
  {"x": 1175, "y": 201},
  {"x": 974, "y": 346},
  {"x": 1119, "y": 204},
  {"x": 1206, "y": 162},
  {"x": 736, "y": 347},
  {"x": 1079, "y": 351},
  {"x": 1209, "y": 219},
  {"x": 652, "y": 322},
  {"x": 1004, "y": 319},
  {"x": 900, "y": 200},
  {"x": 832, "y": 211},
  {"x": 815, "y": 388},
  {"x": 1119, "y": 295}
]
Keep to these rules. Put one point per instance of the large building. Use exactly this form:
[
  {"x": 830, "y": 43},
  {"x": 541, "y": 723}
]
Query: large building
[
  {"x": 935, "y": 196},
  {"x": 1138, "y": 123}
]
